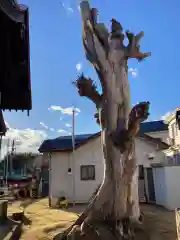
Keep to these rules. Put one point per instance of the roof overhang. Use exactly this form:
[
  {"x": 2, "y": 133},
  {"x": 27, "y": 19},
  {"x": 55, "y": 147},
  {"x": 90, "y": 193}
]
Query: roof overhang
[
  {"x": 171, "y": 116},
  {"x": 3, "y": 128},
  {"x": 15, "y": 57},
  {"x": 13, "y": 10},
  {"x": 155, "y": 141}
]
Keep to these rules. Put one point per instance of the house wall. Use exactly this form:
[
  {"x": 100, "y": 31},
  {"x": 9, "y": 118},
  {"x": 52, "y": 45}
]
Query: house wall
[
  {"x": 176, "y": 135},
  {"x": 163, "y": 135},
  {"x": 88, "y": 154},
  {"x": 167, "y": 188},
  {"x": 143, "y": 149},
  {"x": 172, "y": 174},
  {"x": 160, "y": 186},
  {"x": 62, "y": 182}
]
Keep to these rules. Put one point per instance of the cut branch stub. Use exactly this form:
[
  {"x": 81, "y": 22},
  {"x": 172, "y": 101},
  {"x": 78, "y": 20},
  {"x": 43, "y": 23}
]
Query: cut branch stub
[
  {"x": 133, "y": 48},
  {"x": 87, "y": 88},
  {"x": 122, "y": 136},
  {"x": 139, "y": 113}
]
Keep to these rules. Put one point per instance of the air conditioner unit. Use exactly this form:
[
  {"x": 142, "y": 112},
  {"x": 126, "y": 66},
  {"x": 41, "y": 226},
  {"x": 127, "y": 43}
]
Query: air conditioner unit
[{"x": 151, "y": 156}]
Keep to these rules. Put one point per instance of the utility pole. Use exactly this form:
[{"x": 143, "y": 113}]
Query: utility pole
[
  {"x": 7, "y": 162},
  {"x": 11, "y": 157},
  {"x": 73, "y": 155}
]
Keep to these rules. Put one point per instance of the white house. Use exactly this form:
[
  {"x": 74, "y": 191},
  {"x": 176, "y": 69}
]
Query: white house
[
  {"x": 167, "y": 174},
  {"x": 87, "y": 163}
]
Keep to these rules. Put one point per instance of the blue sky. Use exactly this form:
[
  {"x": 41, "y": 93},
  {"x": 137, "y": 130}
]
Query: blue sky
[{"x": 56, "y": 48}]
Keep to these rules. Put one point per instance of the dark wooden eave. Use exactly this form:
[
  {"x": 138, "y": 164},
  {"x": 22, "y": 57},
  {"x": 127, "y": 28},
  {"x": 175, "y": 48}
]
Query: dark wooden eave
[
  {"x": 3, "y": 128},
  {"x": 15, "y": 85}
]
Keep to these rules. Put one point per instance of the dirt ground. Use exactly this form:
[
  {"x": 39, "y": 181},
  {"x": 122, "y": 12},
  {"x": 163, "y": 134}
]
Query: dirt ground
[{"x": 44, "y": 223}]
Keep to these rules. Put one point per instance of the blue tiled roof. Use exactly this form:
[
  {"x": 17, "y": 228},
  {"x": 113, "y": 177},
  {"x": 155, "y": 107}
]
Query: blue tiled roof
[
  {"x": 65, "y": 142},
  {"x": 154, "y": 126}
]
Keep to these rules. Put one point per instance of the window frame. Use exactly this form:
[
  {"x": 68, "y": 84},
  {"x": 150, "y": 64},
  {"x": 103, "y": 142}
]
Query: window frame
[{"x": 88, "y": 178}]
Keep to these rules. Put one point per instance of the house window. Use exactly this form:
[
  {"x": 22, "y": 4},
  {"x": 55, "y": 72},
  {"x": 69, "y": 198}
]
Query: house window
[{"x": 88, "y": 172}]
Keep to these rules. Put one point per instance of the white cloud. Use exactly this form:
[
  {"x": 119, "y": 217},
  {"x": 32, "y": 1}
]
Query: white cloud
[
  {"x": 26, "y": 140},
  {"x": 133, "y": 72},
  {"x": 68, "y": 125},
  {"x": 79, "y": 8},
  {"x": 166, "y": 115},
  {"x": 70, "y": 9},
  {"x": 61, "y": 130},
  {"x": 43, "y": 125},
  {"x": 77, "y": 110},
  {"x": 67, "y": 8},
  {"x": 78, "y": 67},
  {"x": 52, "y": 129},
  {"x": 67, "y": 111}
]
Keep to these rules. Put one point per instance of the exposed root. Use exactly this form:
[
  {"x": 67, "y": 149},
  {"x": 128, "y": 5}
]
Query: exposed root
[
  {"x": 88, "y": 229},
  {"x": 107, "y": 230}
]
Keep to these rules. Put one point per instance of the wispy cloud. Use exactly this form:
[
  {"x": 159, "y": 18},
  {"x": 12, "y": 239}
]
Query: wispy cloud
[
  {"x": 26, "y": 140},
  {"x": 79, "y": 67},
  {"x": 67, "y": 111},
  {"x": 52, "y": 129},
  {"x": 68, "y": 125},
  {"x": 61, "y": 131},
  {"x": 166, "y": 115},
  {"x": 43, "y": 125},
  {"x": 133, "y": 72},
  {"x": 67, "y": 8}
]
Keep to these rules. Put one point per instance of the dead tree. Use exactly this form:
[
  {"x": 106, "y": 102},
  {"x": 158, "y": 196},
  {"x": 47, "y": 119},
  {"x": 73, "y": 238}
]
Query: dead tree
[{"x": 116, "y": 205}]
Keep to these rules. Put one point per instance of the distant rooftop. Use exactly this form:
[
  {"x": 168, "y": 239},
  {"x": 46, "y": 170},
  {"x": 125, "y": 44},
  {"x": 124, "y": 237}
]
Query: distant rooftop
[
  {"x": 64, "y": 143},
  {"x": 153, "y": 126}
]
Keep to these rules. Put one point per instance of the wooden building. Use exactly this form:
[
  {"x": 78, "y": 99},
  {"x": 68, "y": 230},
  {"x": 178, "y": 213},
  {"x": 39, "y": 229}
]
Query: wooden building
[{"x": 15, "y": 87}]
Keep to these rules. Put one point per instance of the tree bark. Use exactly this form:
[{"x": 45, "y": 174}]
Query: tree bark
[{"x": 116, "y": 202}]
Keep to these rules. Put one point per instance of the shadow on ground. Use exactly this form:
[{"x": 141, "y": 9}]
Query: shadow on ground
[{"x": 7, "y": 228}]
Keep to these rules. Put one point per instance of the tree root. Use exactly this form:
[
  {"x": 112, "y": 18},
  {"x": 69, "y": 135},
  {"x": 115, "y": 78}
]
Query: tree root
[{"x": 105, "y": 230}]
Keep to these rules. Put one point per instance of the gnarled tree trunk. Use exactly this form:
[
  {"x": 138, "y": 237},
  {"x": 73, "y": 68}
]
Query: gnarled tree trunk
[{"x": 116, "y": 203}]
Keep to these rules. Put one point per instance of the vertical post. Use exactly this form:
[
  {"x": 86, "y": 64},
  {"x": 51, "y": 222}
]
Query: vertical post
[
  {"x": 73, "y": 155},
  {"x": 50, "y": 181},
  {"x": 1, "y": 154},
  {"x": 11, "y": 157},
  {"x": 7, "y": 162},
  {"x": 0, "y": 145}
]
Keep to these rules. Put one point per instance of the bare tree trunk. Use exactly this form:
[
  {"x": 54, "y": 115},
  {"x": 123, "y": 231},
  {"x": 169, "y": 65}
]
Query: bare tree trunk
[{"x": 116, "y": 202}]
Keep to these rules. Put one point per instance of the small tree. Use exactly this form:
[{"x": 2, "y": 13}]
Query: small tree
[{"x": 115, "y": 208}]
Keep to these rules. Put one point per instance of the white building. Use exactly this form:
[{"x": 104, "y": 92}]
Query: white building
[
  {"x": 88, "y": 166},
  {"x": 167, "y": 175}
]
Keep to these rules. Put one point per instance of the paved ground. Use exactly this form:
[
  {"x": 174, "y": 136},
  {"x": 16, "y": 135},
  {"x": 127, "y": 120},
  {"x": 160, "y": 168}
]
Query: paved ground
[
  {"x": 43, "y": 223},
  {"x": 160, "y": 222}
]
